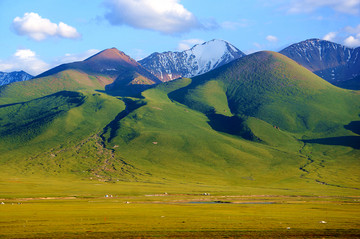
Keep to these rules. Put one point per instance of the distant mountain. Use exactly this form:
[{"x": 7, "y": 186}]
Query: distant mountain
[
  {"x": 269, "y": 87},
  {"x": 111, "y": 63},
  {"x": 353, "y": 84},
  {"x": 261, "y": 122},
  {"x": 7, "y": 78},
  {"x": 195, "y": 61},
  {"x": 110, "y": 70},
  {"x": 331, "y": 61}
]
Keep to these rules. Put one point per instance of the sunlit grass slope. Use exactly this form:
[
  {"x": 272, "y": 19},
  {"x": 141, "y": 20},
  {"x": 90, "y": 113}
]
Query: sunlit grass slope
[
  {"x": 272, "y": 88},
  {"x": 67, "y": 124},
  {"x": 110, "y": 70},
  {"x": 262, "y": 124},
  {"x": 69, "y": 80}
]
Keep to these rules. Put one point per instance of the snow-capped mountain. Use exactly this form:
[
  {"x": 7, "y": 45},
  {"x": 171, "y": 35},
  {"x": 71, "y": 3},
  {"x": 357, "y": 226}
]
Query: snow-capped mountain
[
  {"x": 331, "y": 61},
  {"x": 7, "y": 78},
  {"x": 199, "y": 59}
]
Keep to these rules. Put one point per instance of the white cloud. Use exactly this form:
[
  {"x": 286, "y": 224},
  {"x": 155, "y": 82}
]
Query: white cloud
[
  {"x": 67, "y": 31},
  {"x": 348, "y": 36},
  {"x": 26, "y": 60},
  {"x": 24, "y": 54},
  {"x": 165, "y": 16},
  {"x": 38, "y": 28},
  {"x": 344, "y": 6},
  {"x": 272, "y": 39},
  {"x": 187, "y": 44},
  {"x": 352, "y": 41},
  {"x": 330, "y": 36}
]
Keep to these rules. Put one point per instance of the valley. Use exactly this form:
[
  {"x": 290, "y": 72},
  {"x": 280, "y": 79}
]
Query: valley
[{"x": 250, "y": 148}]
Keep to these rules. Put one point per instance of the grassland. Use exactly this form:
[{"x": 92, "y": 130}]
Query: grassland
[
  {"x": 184, "y": 216},
  {"x": 261, "y": 125}
]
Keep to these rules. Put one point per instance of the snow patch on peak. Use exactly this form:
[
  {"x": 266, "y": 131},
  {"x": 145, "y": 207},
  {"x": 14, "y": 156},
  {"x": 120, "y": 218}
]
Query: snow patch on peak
[
  {"x": 7, "y": 78},
  {"x": 331, "y": 61},
  {"x": 209, "y": 50},
  {"x": 197, "y": 60},
  {"x": 207, "y": 55}
]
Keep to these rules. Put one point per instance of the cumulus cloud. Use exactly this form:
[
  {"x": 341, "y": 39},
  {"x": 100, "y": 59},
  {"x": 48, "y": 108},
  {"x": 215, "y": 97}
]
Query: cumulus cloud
[
  {"x": 165, "y": 16},
  {"x": 352, "y": 41},
  {"x": 272, "y": 39},
  {"x": 348, "y": 36},
  {"x": 330, "y": 36},
  {"x": 187, "y": 44},
  {"x": 38, "y": 28},
  {"x": 344, "y": 6},
  {"x": 26, "y": 60}
]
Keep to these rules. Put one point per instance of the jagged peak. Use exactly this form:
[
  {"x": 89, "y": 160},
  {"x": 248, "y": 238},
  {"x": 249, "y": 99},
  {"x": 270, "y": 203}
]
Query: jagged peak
[
  {"x": 211, "y": 43},
  {"x": 314, "y": 41}
]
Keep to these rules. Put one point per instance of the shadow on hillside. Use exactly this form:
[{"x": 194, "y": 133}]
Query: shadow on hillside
[
  {"x": 233, "y": 125},
  {"x": 34, "y": 116},
  {"x": 354, "y": 126},
  {"x": 114, "y": 125},
  {"x": 74, "y": 97},
  {"x": 128, "y": 92},
  {"x": 348, "y": 141},
  {"x": 3, "y": 106}
]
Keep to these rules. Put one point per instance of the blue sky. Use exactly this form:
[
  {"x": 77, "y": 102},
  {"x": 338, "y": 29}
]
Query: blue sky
[{"x": 39, "y": 34}]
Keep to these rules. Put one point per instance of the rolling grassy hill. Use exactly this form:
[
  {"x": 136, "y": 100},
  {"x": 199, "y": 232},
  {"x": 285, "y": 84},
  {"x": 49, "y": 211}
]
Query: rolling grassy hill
[
  {"x": 110, "y": 70},
  {"x": 272, "y": 88},
  {"x": 261, "y": 124}
]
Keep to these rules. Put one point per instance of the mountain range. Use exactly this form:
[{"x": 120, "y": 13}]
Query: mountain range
[
  {"x": 7, "y": 78},
  {"x": 199, "y": 59},
  {"x": 110, "y": 70},
  {"x": 333, "y": 62},
  {"x": 260, "y": 122}
]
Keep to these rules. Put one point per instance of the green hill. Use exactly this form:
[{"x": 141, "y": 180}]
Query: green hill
[
  {"x": 110, "y": 70},
  {"x": 273, "y": 88},
  {"x": 261, "y": 124}
]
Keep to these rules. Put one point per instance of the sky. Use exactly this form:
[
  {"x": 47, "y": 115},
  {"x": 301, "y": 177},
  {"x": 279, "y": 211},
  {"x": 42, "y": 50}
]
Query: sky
[{"x": 37, "y": 35}]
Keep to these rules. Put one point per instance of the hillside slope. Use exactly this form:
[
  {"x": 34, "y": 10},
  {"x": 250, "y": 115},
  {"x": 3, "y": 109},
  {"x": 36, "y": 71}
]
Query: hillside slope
[
  {"x": 110, "y": 70},
  {"x": 261, "y": 124},
  {"x": 273, "y": 88}
]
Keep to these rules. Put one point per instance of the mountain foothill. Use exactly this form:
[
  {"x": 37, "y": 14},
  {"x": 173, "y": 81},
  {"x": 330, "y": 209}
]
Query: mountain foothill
[{"x": 210, "y": 115}]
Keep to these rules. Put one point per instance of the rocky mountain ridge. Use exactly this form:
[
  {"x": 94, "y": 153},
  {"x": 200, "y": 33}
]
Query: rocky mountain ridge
[
  {"x": 331, "y": 61},
  {"x": 198, "y": 60},
  {"x": 10, "y": 77}
]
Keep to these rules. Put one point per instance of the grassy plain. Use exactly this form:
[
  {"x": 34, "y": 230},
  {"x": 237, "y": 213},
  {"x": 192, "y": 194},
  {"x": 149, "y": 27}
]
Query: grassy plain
[
  {"x": 52, "y": 208},
  {"x": 182, "y": 216},
  {"x": 259, "y": 126}
]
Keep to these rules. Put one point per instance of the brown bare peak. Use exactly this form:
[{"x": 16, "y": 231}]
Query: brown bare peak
[{"x": 112, "y": 54}]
